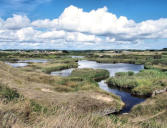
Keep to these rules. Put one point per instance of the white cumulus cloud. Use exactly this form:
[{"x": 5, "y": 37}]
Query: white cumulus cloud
[
  {"x": 75, "y": 26},
  {"x": 16, "y": 22}
]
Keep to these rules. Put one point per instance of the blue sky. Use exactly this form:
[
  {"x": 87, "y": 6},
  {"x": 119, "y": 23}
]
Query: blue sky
[
  {"x": 137, "y": 10},
  {"x": 71, "y": 24}
]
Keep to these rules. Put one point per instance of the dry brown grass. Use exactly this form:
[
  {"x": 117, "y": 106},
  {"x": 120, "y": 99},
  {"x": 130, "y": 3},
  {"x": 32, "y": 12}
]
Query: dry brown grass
[
  {"x": 65, "y": 109},
  {"x": 20, "y": 115}
]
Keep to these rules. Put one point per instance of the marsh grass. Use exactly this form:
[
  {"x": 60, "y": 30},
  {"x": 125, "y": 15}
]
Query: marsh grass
[
  {"x": 52, "y": 65},
  {"x": 57, "y": 67},
  {"x": 82, "y": 79},
  {"x": 90, "y": 74},
  {"x": 151, "y": 60},
  {"x": 142, "y": 83}
]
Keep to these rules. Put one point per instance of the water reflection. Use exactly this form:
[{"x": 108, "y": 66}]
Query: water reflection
[
  {"x": 112, "y": 68},
  {"x": 23, "y": 63},
  {"x": 16, "y": 65},
  {"x": 33, "y": 61},
  {"x": 77, "y": 56},
  {"x": 63, "y": 73}
]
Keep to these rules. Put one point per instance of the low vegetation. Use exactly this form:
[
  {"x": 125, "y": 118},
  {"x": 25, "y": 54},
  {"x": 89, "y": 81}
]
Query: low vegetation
[
  {"x": 57, "y": 67},
  {"x": 31, "y": 98},
  {"x": 143, "y": 83},
  {"x": 8, "y": 94},
  {"x": 90, "y": 74},
  {"x": 52, "y": 65}
]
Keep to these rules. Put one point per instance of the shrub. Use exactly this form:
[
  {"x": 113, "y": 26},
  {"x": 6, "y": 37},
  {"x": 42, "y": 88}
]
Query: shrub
[
  {"x": 37, "y": 107},
  {"x": 8, "y": 94}
]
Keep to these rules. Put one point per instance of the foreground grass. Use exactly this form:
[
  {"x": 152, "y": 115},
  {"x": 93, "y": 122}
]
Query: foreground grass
[
  {"x": 20, "y": 112},
  {"x": 143, "y": 83},
  {"x": 32, "y": 97}
]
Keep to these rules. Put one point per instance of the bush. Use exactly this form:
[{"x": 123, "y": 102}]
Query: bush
[
  {"x": 8, "y": 94},
  {"x": 37, "y": 107},
  {"x": 130, "y": 73}
]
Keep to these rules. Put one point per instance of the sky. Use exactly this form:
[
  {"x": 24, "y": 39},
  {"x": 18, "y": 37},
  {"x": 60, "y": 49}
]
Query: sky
[{"x": 83, "y": 24}]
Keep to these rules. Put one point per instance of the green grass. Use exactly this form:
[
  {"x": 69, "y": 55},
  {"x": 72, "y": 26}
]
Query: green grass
[
  {"x": 7, "y": 93},
  {"x": 48, "y": 69},
  {"x": 88, "y": 74},
  {"x": 36, "y": 107},
  {"x": 142, "y": 83},
  {"x": 72, "y": 84},
  {"x": 82, "y": 79},
  {"x": 52, "y": 65}
]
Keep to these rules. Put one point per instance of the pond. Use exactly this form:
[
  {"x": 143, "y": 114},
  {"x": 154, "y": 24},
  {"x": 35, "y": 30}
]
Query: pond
[
  {"x": 16, "y": 65},
  {"x": 77, "y": 56},
  {"x": 33, "y": 61},
  {"x": 63, "y": 73},
  {"x": 23, "y": 63}
]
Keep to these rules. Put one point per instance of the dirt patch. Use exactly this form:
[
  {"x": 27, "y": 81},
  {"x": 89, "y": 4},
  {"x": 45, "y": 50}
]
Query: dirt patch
[
  {"x": 46, "y": 90},
  {"x": 102, "y": 98}
]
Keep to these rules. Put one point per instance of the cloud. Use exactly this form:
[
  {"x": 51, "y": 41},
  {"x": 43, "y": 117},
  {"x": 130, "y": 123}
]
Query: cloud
[
  {"x": 53, "y": 35},
  {"x": 103, "y": 23},
  {"x": 80, "y": 37},
  {"x": 46, "y": 23},
  {"x": 80, "y": 29},
  {"x": 27, "y": 34},
  {"x": 16, "y": 22},
  {"x": 98, "y": 21}
]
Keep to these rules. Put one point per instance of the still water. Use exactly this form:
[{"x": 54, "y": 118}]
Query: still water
[{"x": 23, "y": 63}]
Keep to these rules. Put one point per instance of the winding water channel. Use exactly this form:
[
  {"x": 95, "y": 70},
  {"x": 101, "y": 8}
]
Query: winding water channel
[{"x": 126, "y": 97}]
